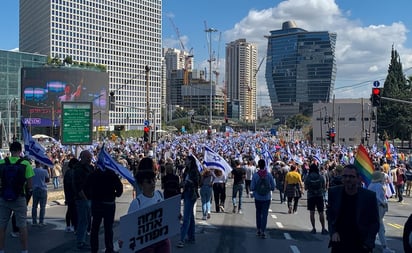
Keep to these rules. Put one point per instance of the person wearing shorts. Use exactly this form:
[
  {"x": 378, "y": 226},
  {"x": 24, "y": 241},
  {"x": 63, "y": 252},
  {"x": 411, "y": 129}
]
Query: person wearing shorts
[
  {"x": 316, "y": 186},
  {"x": 19, "y": 205}
]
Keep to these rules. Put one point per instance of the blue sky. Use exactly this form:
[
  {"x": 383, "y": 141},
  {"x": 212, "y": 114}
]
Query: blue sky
[{"x": 366, "y": 31}]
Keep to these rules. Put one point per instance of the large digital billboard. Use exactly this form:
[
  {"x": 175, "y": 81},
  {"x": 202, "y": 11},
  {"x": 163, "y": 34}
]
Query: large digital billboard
[{"x": 44, "y": 89}]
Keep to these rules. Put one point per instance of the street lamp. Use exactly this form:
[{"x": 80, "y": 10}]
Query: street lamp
[
  {"x": 210, "y": 30},
  {"x": 9, "y": 136},
  {"x": 147, "y": 69}
]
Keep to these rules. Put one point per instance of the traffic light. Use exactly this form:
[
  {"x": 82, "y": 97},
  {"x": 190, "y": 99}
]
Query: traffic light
[
  {"x": 328, "y": 135},
  {"x": 332, "y": 137},
  {"x": 112, "y": 101},
  {"x": 146, "y": 131},
  {"x": 376, "y": 96}
]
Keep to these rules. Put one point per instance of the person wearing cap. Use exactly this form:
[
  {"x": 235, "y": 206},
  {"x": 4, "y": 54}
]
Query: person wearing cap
[{"x": 377, "y": 186}]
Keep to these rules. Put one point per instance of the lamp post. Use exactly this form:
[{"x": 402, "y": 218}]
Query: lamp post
[
  {"x": 147, "y": 69},
  {"x": 9, "y": 135},
  {"x": 15, "y": 120},
  {"x": 210, "y": 30}
]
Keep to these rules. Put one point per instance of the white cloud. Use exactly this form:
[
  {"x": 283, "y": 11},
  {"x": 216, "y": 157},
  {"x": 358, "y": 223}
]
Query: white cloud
[{"x": 362, "y": 52}]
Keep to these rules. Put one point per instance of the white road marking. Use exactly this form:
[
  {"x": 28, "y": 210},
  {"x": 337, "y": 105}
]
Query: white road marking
[
  {"x": 287, "y": 236},
  {"x": 294, "y": 249},
  {"x": 274, "y": 216},
  {"x": 279, "y": 224}
]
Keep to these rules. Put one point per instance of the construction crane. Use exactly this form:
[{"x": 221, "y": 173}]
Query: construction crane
[
  {"x": 250, "y": 90},
  {"x": 257, "y": 70},
  {"x": 186, "y": 56}
]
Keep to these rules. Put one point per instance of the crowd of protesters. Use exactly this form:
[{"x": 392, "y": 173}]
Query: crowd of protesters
[{"x": 289, "y": 162}]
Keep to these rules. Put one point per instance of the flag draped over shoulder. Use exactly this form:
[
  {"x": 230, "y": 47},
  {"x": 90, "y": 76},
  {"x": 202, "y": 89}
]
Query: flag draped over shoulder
[
  {"x": 105, "y": 161},
  {"x": 364, "y": 163},
  {"x": 33, "y": 149},
  {"x": 212, "y": 160}
]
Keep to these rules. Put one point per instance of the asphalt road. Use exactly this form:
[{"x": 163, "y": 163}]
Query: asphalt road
[{"x": 224, "y": 232}]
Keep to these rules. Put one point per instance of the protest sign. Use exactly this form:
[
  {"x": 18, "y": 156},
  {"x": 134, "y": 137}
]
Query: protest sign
[{"x": 150, "y": 225}]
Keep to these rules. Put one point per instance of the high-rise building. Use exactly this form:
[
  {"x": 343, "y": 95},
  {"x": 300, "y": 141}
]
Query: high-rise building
[
  {"x": 178, "y": 66},
  {"x": 123, "y": 35},
  {"x": 241, "y": 67},
  {"x": 10, "y": 90},
  {"x": 300, "y": 68}
]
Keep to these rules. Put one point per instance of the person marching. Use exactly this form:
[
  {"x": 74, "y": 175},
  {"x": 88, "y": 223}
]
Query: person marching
[
  {"x": 316, "y": 186},
  {"x": 293, "y": 188},
  {"x": 261, "y": 186}
]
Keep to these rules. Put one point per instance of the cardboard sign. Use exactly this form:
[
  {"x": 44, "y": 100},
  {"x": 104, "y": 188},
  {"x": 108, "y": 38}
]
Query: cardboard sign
[{"x": 150, "y": 225}]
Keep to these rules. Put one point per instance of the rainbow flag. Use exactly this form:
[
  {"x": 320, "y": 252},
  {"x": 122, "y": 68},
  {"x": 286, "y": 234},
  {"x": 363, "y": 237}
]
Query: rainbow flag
[
  {"x": 364, "y": 163},
  {"x": 387, "y": 150}
]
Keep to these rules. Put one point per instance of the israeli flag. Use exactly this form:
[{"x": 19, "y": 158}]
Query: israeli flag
[
  {"x": 105, "y": 161},
  {"x": 212, "y": 160},
  {"x": 33, "y": 149}
]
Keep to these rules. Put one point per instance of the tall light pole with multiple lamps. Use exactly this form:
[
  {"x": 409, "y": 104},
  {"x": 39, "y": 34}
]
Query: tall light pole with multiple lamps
[{"x": 210, "y": 31}]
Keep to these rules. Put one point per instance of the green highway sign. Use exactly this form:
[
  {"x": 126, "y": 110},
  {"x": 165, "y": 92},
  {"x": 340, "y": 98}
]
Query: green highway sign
[{"x": 77, "y": 123}]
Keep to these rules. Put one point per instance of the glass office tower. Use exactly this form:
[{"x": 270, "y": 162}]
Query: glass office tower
[{"x": 300, "y": 68}]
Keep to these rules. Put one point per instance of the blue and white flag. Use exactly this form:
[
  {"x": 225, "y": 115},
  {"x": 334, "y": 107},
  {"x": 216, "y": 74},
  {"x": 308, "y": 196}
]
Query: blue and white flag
[
  {"x": 212, "y": 160},
  {"x": 317, "y": 156},
  {"x": 198, "y": 164},
  {"x": 105, "y": 160},
  {"x": 33, "y": 149}
]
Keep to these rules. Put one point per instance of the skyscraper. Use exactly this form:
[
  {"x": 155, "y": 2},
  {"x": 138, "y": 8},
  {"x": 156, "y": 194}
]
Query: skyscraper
[
  {"x": 241, "y": 64},
  {"x": 123, "y": 35},
  {"x": 300, "y": 68}
]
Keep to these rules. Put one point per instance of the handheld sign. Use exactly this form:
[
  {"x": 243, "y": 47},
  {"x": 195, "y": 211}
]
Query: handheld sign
[{"x": 150, "y": 225}]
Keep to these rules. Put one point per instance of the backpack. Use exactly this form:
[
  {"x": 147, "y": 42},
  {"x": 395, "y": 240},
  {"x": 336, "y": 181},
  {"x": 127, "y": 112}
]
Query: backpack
[
  {"x": 262, "y": 186},
  {"x": 315, "y": 184},
  {"x": 13, "y": 178},
  {"x": 408, "y": 175}
]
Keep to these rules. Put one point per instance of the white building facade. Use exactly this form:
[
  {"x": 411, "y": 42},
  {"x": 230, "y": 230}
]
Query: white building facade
[
  {"x": 352, "y": 120},
  {"x": 123, "y": 35}
]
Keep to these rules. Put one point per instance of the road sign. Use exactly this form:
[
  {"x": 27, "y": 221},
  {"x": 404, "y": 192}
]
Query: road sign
[
  {"x": 146, "y": 123},
  {"x": 376, "y": 84},
  {"x": 77, "y": 123}
]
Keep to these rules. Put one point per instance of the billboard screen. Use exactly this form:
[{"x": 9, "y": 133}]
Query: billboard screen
[{"x": 44, "y": 89}]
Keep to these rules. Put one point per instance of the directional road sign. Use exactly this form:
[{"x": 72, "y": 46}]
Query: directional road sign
[{"x": 77, "y": 123}]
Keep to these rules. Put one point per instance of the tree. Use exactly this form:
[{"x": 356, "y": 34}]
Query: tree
[
  {"x": 297, "y": 121},
  {"x": 394, "y": 118}
]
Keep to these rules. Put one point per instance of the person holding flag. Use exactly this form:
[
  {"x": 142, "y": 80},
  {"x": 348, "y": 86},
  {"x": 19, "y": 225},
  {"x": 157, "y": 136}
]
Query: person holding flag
[{"x": 103, "y": 186}]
